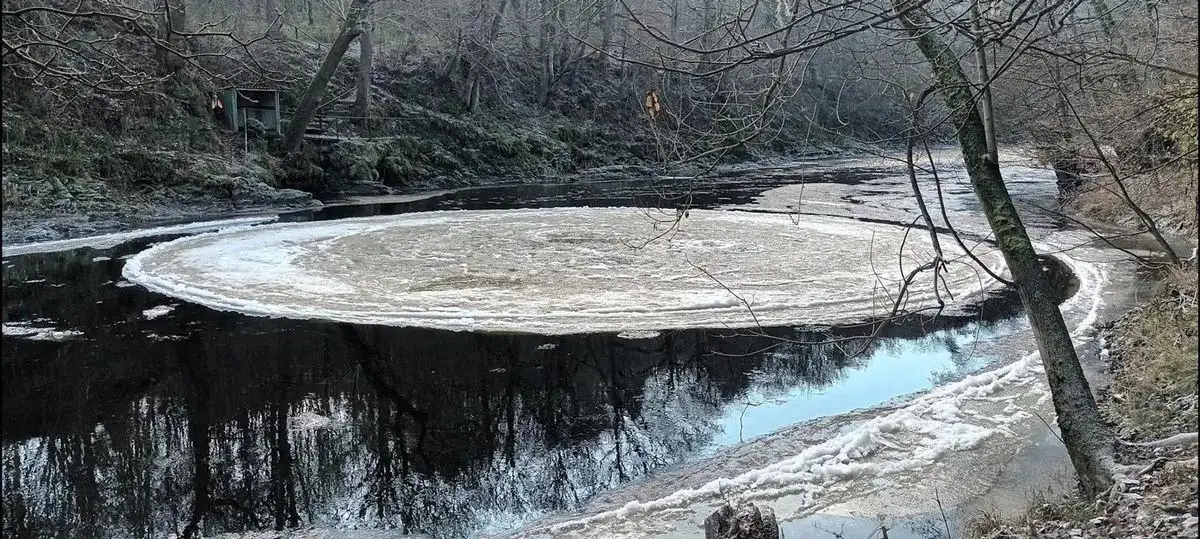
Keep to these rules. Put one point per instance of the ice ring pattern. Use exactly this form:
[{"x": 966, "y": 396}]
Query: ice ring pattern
[{"x": 564, "y": 270}]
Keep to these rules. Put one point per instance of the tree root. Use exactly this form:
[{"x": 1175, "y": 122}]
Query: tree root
[
  {"x": 1184, "y": 438},
  {"x": 1139, "y": 472},
  {"x": 1131, "y": 474}
]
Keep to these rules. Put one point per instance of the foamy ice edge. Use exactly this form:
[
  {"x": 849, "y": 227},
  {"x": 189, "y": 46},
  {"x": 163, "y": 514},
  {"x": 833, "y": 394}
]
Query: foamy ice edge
[
  {"x": 108, "y": 241},
  {"x": 934, "y": 414},
  {"x": 134, "y": 272}
]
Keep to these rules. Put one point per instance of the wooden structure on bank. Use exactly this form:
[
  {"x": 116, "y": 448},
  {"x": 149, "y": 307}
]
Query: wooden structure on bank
[{"x": 242, "y": 104}]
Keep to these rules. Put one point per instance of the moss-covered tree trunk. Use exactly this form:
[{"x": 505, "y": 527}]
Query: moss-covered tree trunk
[
  {"x": 1089, "y": 441},
  {"x": 312, "y": 96}
]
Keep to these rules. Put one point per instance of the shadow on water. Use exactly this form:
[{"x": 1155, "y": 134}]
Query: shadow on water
[{"x": 200, "y": 421}]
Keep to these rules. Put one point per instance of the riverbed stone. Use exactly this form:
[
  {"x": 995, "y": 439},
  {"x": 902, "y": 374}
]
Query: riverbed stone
[{"x": 746, "y": 521}]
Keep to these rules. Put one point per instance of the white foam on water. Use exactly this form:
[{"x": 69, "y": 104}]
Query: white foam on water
[
  {"x": 26, "y": 330},
  {"x": 155, "y": 312},
  {"x": 107, "y": 241},
  {"x": 562, "y": 270},
  {"x": 638, "y": 335},
  {"x": 308, "y": 420},
  {"x": 22, "y": 329},
  {"x": 157, "y": 337},
  {"x": 907, "y": 438}
]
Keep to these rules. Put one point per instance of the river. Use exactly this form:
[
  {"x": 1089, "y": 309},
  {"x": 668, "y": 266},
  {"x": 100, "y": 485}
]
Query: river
[{"x": 127, "y": 411}]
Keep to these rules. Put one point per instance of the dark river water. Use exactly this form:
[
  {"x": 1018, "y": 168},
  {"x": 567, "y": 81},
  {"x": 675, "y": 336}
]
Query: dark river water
[{"x": 207, "y": 422}]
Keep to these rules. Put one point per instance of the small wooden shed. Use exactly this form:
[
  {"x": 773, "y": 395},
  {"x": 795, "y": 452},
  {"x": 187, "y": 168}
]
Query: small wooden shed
[{"x": 259, "y": 104}]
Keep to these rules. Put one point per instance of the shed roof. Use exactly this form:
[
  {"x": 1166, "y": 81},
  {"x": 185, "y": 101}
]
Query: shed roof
[{"x": 250, "y": 89}]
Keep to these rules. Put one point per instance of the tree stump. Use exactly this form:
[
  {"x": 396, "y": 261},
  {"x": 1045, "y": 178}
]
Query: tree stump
[{"x": 747, "y": 521}]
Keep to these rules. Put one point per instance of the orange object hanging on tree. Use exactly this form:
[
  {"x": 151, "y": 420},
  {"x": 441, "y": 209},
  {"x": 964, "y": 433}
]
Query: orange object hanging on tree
[{"x": 653, "y": 108}]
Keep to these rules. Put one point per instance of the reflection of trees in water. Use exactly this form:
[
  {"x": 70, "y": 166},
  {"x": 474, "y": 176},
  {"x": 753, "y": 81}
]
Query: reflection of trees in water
[{"x": 429, "y": 431}]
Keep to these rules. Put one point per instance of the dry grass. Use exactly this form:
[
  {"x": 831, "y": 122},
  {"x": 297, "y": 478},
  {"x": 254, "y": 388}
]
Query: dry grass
[
  {"x": 1154, "y": 392},
  {"x": 1168, "y": 195},
  {"x": 985, "y": 524},
  {"x": 1043, "y": 507}
]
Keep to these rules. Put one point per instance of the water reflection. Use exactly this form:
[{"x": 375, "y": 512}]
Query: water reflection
[
  {"x": 736, "y": 187},
  {"x": 221, "y": 422},
  {"x": 202, "y": 422}
]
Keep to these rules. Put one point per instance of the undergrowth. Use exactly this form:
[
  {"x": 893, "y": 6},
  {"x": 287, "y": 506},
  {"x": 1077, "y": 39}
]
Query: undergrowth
[
  {"x": 1168, "y": 195},
  {"x": 1154, "y": 393}
]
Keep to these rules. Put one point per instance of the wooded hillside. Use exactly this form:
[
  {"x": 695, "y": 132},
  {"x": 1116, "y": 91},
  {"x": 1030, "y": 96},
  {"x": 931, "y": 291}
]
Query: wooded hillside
[{"x": 108, "y": 99}]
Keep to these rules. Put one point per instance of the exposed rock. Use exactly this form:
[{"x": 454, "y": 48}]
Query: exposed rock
[
  {"x": 13, "y": 233},
  {"x": 365, "y": 189},
  {"x": 747, "y": 521},
  {"x": 253, "y": 193},
  {"x": 614, "y": 172}
]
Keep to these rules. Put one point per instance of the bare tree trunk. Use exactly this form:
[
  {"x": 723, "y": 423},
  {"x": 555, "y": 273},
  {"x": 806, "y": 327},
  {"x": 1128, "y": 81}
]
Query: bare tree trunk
[
  {"x": 174, "y": 22},
  {"x": 708, "y": 12},
  {"x": 312, "y": 96},
  {"x": 275, "y": 31},
  {"x": 607, "y": 27},
  {"x": 473, "y": 91},
  {"x": 366, "y": 43},
  {"x": 454, "y": 64},
  {"x": 546, "y": 48},
  {"x": 675, "y": 20},
  {"x": 521, "y": 13},
  {"x": 479, "y": 49},
  {"x": 985, "y": 97},
  {"x": 1089, "y": 441}
]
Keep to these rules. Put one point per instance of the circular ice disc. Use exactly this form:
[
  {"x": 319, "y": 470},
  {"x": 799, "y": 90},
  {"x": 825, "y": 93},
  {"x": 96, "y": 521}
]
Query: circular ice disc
[{"x": 562, "y": 270}]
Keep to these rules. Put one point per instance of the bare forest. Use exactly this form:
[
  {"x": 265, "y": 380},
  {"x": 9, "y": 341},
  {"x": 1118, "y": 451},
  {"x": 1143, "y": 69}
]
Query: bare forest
[
  {"x": 1097, "y": 87},
  {"x": 120, "y": 113}
]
